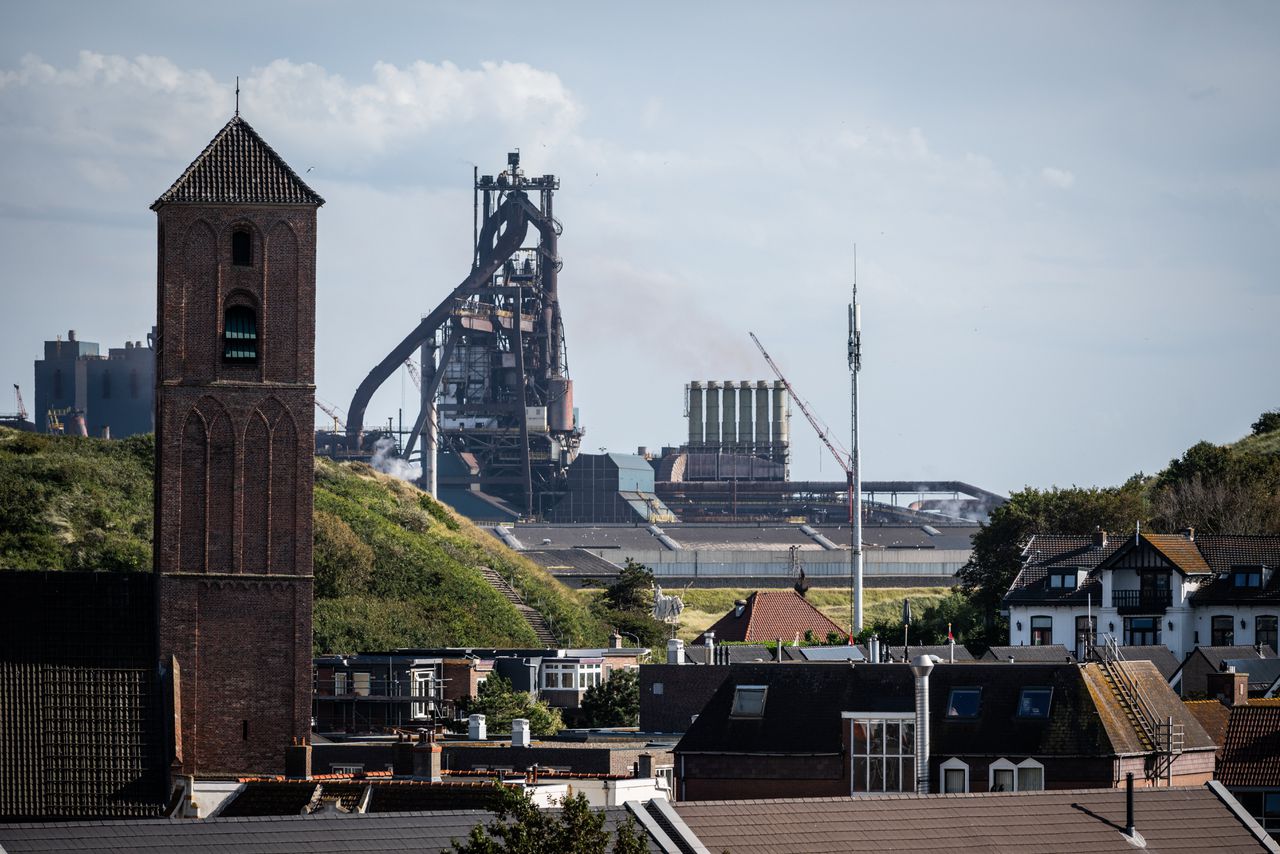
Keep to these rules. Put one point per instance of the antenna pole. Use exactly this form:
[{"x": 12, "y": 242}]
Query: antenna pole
[
  {"x": 855, "y": 479},
  {"x": 237, "y": 95}
]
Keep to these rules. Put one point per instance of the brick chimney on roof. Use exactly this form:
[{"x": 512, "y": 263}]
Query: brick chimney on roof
[
  {"x": 1099, "y": 538},
  {"x": 1189, "y": 533},
  {"x": 1228, "y": 687}
]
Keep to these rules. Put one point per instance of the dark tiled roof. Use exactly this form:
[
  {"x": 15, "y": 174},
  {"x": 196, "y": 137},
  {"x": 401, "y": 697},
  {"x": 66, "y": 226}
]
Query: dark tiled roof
[
  {"x": 942, "y": 650},
  {"x": 1156, "y": 696},
  {"x": 1209, "y": 555},
  {"x": 1251, "y": 748},
  {"x": 1045, "y": 653},
  {"x": 1216, "y": 656},
  {"x": 773, "y": 614},
  {"x": 1080, "y": 821},
  {"x": 1262, "y": 672},
  {"x": 1159, "y": 655},
  {"x": 238, "y": 167},
  {"x": 81, "y": 708},
  {"x": 428, "y": 832},
  {"x": 289, "y": 797}
]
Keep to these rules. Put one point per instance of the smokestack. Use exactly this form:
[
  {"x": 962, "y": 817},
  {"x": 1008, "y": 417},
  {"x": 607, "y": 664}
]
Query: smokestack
[
  {"x": 781, "y": 427},
  {"x": 729, "y": 416},
  {"x": 921, "y": 667},
  {"x": 106, "y": 431},
  {"x": 675, "y": 651},
  {"x": 762, "y": 418},
  {"x": 696, "y": 398},
  {"x": 713, "y": 415},
  {"x": 746, "y": 432}
]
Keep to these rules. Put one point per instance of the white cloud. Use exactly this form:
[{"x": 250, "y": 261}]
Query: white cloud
[{"x": 1060, "y": 178}]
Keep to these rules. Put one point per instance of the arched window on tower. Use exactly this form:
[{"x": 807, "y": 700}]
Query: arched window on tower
[
  {"x": 240, "y": 335},
  {"x": 242, "y": 248}
]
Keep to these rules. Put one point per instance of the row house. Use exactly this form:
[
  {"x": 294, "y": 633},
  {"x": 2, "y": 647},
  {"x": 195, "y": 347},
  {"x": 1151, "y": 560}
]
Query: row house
[
  {"x": 371, "y": 692},
  {"x": 835, "y": 730},
  {"x": 1177, "y": 590}
]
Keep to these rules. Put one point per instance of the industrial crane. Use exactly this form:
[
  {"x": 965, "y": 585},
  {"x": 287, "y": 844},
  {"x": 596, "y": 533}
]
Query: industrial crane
[
  {"x": 22, "y": 409},
  {"x": 338, "y": 426},
  {"x": 413, "y": 373},
  {"x": 843, "y": 459}
]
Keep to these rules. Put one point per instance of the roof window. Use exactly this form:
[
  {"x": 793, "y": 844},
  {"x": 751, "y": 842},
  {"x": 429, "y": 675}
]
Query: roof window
[
  {"x": 1063, "y": 579},
  {"x": 964, "y": 703},
  {"x": 748, "y": 701},
  {"x": 1034, "y": 702}
]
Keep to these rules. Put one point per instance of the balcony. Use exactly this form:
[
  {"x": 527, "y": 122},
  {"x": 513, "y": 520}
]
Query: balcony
[{"x": 1141, "y": 601}]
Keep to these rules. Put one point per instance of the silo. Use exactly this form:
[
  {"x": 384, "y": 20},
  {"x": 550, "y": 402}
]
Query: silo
[
  {"x": 713, "y": 415},
  {"x": 762, "y": 417},
  {"x": 696, "y": 395},
  {"x": 781, "y": 427},
  {"x": 746, "y": 433},
  {"x": 729, "y": 416}
]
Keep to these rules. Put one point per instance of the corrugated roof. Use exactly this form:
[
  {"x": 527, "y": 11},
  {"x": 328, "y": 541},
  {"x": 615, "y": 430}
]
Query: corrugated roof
[
  {"x": 1080, "y": 821},
  {"x": 238, "y": 167}
]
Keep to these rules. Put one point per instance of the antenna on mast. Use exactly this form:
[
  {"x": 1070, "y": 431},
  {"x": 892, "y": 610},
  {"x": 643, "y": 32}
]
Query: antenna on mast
[
  {"x": 237, "y": 96},
  {"x": 855, "y": 459}
]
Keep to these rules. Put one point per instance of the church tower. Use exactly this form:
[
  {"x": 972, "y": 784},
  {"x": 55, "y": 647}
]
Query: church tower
[{"x": 235, "y": 359}]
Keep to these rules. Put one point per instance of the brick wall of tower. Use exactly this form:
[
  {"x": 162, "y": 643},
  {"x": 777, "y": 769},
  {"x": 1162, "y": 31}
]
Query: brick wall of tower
[{"x": 234, "y": 483}]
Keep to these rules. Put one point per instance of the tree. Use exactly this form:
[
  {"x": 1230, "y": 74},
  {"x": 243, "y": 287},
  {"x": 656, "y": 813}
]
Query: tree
[
  {"x": 501, "y": 704},
  {"x": 998, "y": 543},
  {"x": 633, "y": 591},
  {"x": 1267, "y": 422},
  {"x": 520, "y": 827},
  {"x": 615, "y": 702}
]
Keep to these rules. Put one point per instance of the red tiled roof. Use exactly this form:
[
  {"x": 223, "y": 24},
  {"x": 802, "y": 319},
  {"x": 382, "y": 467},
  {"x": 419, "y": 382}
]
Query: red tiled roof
[
  {"x": 1213, "y": 717},
  {"x": 773, "y": 614},
  {"x": 1180, "y": 551},
  {"x": 238, "y": 167},
  {"x": 1250, "y": 753}
]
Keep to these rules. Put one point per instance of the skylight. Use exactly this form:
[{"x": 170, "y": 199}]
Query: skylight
[
  {"x": 748, "y": 701},
  {"x": 1034, "y": 702},
  {"x": 964, "y": 702}
]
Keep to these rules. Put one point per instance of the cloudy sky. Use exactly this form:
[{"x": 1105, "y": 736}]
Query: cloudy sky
[{"x": 1067, "y": 216}]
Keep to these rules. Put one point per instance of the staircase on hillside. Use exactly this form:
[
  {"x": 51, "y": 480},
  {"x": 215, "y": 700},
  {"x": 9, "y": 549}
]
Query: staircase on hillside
[{"x": 535, "y": 620}]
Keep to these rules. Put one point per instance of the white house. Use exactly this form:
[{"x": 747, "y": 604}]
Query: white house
[{"x": 1179, "y": 590}]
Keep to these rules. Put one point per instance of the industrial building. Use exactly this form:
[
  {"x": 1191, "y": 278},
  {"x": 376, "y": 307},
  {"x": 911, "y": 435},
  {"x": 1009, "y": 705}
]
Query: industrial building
[{"x": 80, "y": 391}]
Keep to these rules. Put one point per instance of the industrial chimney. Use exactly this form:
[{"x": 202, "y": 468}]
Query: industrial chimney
[
  {"x": 713, "y": 415},
  {"x": 746, "y": 432},
  {"x": 781, "y": 428},
  {"x": 729, "y": 416},
  {"x": 696, "y": 398},
  {"x": 762, "y": 418}
]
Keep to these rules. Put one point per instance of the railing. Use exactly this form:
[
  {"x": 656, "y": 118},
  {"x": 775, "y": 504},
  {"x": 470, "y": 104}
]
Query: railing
[
  {"x": 1166, "y": 738},
  {"x": 1141, "y": 600}
]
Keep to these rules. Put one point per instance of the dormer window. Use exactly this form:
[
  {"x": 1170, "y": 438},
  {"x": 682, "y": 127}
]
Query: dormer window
[
  {"x": 748, "y": 701},
  {"x": 1246, "y": 577},
  {"x": 1063, "y": 579},
  {"x": 242, "y": 248},
  {"x": 240, "y": 335}
]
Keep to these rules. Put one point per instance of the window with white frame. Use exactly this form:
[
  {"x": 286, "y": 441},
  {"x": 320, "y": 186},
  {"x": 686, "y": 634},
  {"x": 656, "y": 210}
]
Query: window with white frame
[
  {"x": 423, "y": 680},
  {"x": 360, "y": 683},
  {"x": 883, "y": 753},
  {"x": 559, "y": 674},
  {"x": 341, "y": 768},
  {"x": 1026, "y": 776},
  {"x": 339, "y": 684},
  {"x": 1063, "y": 579},
  {"x": 955, "y": 776},
  {"x": 589, "y": 675}
]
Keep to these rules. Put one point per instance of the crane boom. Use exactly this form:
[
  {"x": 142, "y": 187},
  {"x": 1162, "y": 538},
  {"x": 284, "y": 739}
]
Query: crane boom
[
  {"x": 22, "y": 409},
  {"x": 338, "y": 426},
  {"x": 842, "y": 460},
  {"x": 413, "y": 373}
]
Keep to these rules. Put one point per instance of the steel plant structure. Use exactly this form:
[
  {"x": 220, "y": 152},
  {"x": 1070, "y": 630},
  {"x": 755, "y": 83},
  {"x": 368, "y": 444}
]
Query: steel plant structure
[{"x": 495, "y": 389}]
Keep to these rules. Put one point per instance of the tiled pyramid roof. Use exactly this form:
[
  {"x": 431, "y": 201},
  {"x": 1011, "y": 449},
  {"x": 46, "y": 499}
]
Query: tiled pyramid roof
[
  {"x": 773, "y": 614},
  {"x": 238, "y": 167}
]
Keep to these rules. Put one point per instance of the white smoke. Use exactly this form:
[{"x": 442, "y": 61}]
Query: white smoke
[{"x": 386, "y": 461}]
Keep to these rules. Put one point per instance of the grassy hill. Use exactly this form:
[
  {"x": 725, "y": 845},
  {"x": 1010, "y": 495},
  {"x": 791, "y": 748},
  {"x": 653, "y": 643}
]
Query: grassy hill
[{"x": 394, "y": 567}]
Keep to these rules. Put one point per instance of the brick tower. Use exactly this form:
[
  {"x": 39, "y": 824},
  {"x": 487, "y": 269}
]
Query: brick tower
[{"x": 235, "y": 360}]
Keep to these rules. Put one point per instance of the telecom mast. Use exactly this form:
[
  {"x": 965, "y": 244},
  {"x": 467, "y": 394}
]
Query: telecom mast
[{"x": 855, "y": 536}]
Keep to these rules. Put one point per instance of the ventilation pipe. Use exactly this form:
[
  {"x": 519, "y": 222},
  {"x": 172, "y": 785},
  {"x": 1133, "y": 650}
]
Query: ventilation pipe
[
  {"x": 873, "y": 648},
  {"x": 696, "y": 398},
  {"x": 921, "y": 667}
]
